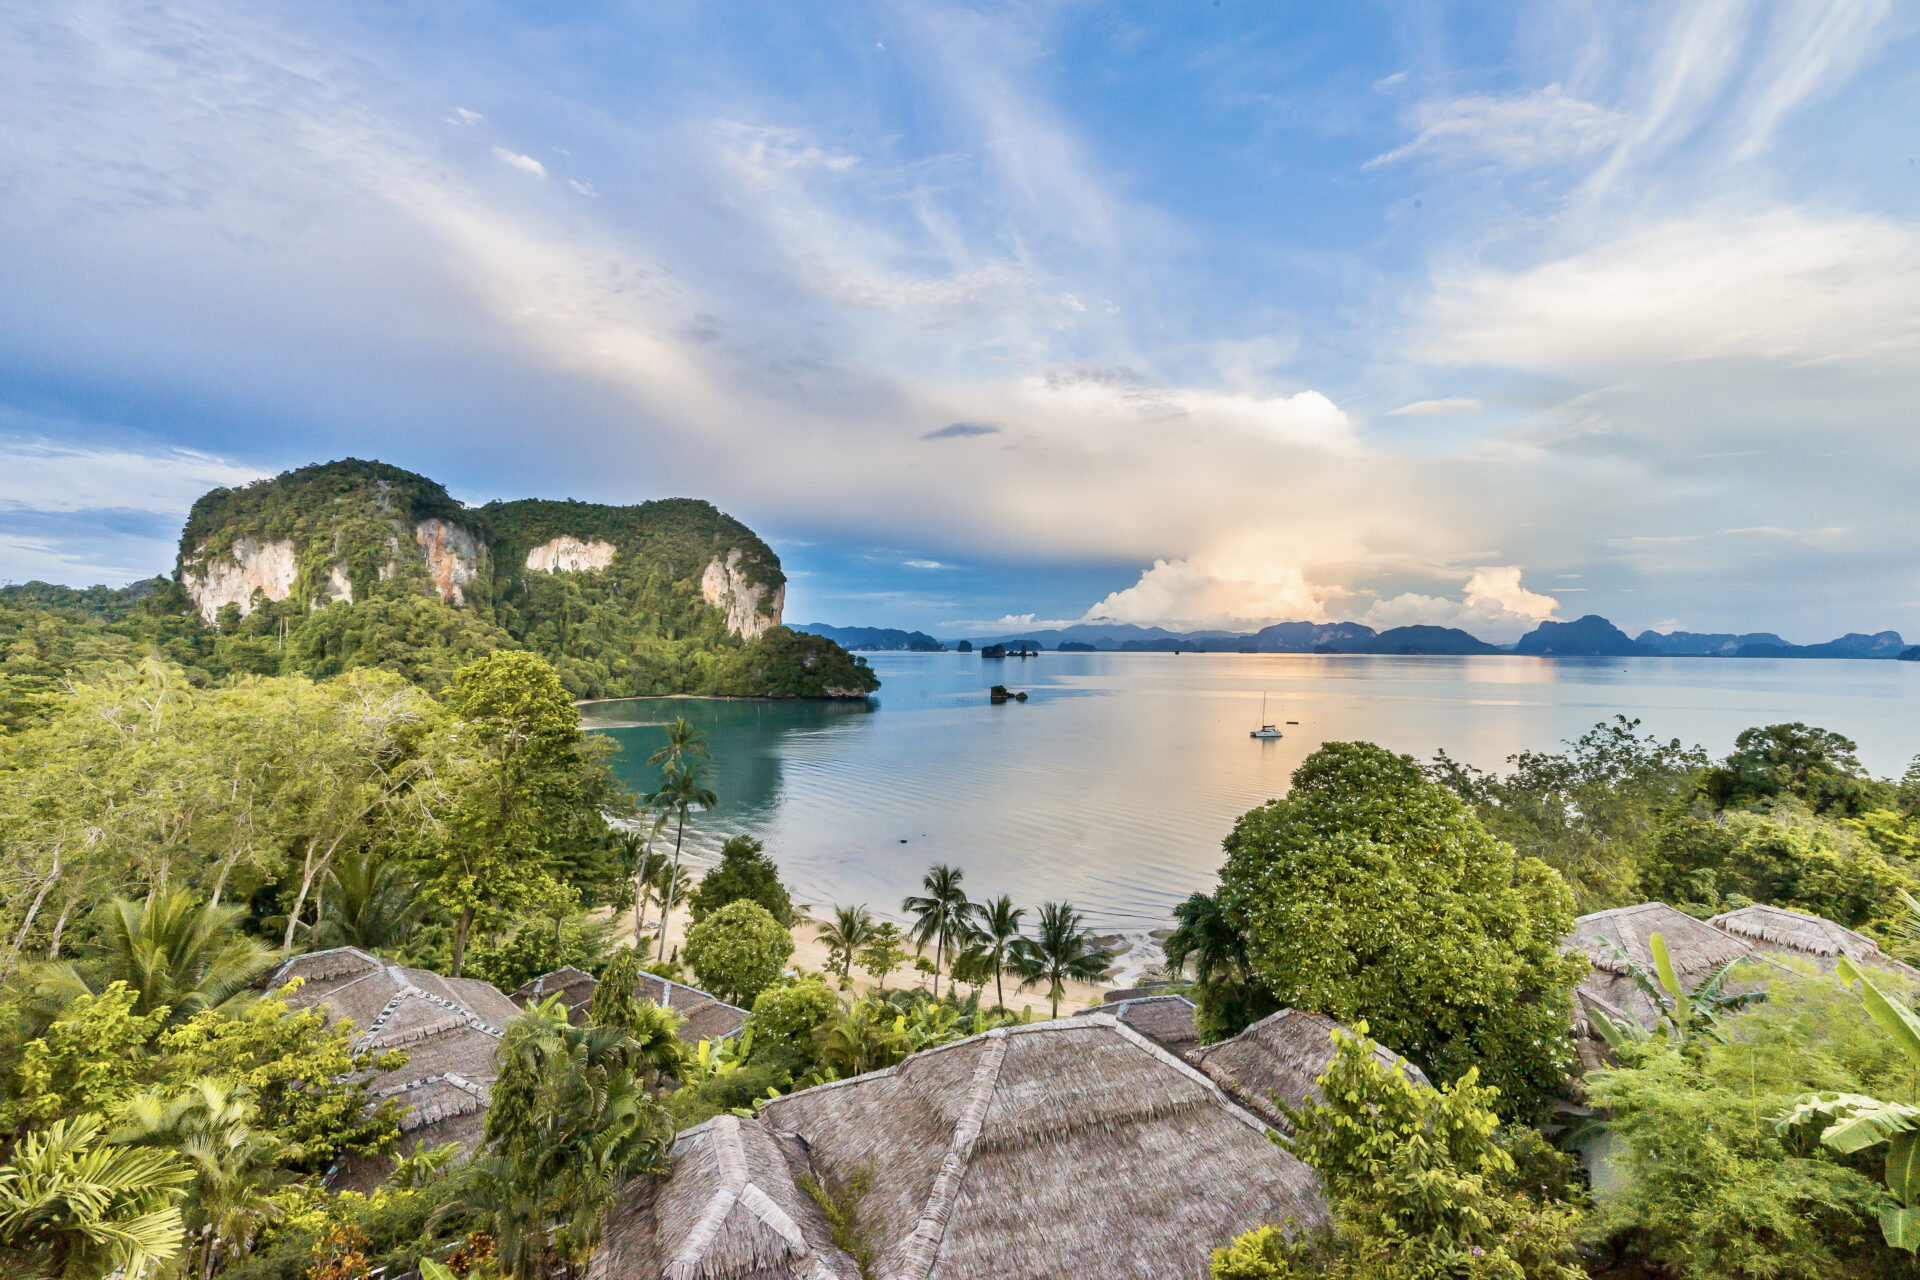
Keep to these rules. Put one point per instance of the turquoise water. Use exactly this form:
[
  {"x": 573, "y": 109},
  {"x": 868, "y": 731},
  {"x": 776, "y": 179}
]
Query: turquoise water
[{"x": 1113, "y": 785}]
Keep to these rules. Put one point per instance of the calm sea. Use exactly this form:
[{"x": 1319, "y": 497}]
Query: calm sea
[{"x": 1114, "y": 783}]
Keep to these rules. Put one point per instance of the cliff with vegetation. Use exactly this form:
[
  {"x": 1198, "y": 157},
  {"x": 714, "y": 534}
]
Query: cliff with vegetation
[{"x": 356, "y": 564}]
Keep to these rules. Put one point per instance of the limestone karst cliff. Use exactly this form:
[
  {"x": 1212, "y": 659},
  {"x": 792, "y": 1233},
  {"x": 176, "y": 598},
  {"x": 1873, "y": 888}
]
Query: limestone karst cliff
[{"x": 366, "y": 560}]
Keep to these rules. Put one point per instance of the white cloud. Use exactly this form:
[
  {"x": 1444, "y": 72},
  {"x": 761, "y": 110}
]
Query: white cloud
[
  {"x": 526, "y": 164},
  {"x": 584, "y": 188},
  {"x": 923, "y": 564},
  {"x": 1452, "y": 407},
  {"x": 1495, "y": 607},
  {"x": 1522, "y": 132},
  {"x": 462, "y": 116},
  {"x": 1234, "y": 587},
  {"x": 40, "y": 475},
  {"x": 1781, "y": 284}
]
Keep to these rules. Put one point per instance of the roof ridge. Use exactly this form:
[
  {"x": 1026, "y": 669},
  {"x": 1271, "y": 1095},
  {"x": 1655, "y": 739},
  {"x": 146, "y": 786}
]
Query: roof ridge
[
  {"x": 923, "y": 1245},
  {"x": 379, "y": 1020},
  {"x": 730, "y": 1157}
]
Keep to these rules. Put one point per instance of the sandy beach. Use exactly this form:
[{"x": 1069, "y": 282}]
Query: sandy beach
[{"x": 810, "y": 955}]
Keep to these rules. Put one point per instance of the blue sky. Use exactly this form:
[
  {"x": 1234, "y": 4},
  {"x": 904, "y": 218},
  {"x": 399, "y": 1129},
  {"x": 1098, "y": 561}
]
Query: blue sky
[{"x": 1192, "y": 314}]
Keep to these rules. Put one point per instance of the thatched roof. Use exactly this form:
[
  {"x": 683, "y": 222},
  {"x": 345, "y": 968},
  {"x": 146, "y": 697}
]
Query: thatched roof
[
  {"x": 1695, "y": 947},
  {"x": 1154, "y": 988},
  {"x": 733, "y": 1207},
  {"x": 1284, "y": 1053},
  {"x": 449, "y": 1029},
  {"x": 1781, "y": 931},
  {"x": 1066, "y": 1148},
  {"x": 1165, "y": 1019},
  {"x": 704, "y": 1017},
  {"x": 575, "y": 988}
]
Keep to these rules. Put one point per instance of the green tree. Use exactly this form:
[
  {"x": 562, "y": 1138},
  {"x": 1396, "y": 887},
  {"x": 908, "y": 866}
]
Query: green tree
[
  {"x": 1225, "y": 1000},
  {"x": 1816, "y": 766},
  {"x": 653, "y": 1030},
  {"x": 997, "y": 936},
  {"x": 941, "y": 914},
  {"x": 570, "y": 1124},
  {"x": 786, "y": 1018},
  {"x": 370, "y": 902},
  {"x": 744, "y": 871},
  {"x": 521, "y": 775},
  {"x": 236, "y": 1165},
  {"x": 1590, "y": 812},
  {"x": 73, "y": 1207},
  {"x": 851, "y": 929},
  {"x": 886, "y": 952},
  {"x": 1370, "y": 892},
  {"x": 738, "y": 951},
  {"x": 180, "y": 954},
  {"x": 1060, "y": 949},
  {"x": 1424, "y": 1182}
]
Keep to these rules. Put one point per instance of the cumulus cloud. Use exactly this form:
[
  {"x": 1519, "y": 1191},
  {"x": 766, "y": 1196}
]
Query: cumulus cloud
[
  {"x": 1523, "y": 132},
  {"x": 1232, "y": 587},
  {"x": 1494, "y": 606},
  {"x": 1452, "y": 407},
  {"x": 526, "y": 164}
]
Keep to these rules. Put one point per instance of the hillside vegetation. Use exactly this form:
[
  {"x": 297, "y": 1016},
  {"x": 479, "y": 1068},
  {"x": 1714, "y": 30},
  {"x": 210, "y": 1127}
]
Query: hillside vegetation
[{"x": 388, "y": 571}]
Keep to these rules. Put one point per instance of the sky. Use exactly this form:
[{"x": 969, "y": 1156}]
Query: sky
[{"x": 1004, "y": 315}]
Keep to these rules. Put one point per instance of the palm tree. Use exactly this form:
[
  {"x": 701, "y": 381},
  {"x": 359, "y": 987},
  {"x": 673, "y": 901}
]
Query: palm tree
[
  {"x": 570, "y": 1122},
  {"x": 997, "y": 937},
  {"x": 645, "y": 866},
  {"x": 236, "y": 1167},
  {"x": 370, "y": 902},
  {"x": 181, "y": 954},
  {"x": 851, "y": 929},
  {"x": 683, "y": 788},
  {"x": 1204, "y": 933},
  {"x": 1062, "y": 948},
  {"x": 72, "y": 1204},
  {"x": 941, "y": 915}
]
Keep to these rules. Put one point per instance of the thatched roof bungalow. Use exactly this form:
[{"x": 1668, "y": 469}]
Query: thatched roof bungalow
[
  {"x": 704, "y": 1017},
  {"x": 1284, "y": 1053},
  {"x": 1696, "y": 948},
  {"x": 1167, "y": 1020},
  {"x": 1077, "y": 1147},
  {"x": 448, "y": 1028},
  {"x": 1778, "y": 931}
]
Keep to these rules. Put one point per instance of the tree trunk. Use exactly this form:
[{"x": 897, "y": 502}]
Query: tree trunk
[
  {"x": 300, "y": 901},
  {"x": 1000, "y": 992},
  {"x": 220, "y": 885},
  {"x": 460, "y": 928},
  {"x": 20, "y": 938},
  {"x": 673, "y": 879}
]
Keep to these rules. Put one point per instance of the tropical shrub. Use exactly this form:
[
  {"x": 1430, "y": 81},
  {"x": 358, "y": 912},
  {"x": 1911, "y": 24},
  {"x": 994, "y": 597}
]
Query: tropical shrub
[
  {"x": 1370, "y": 892},
  {"x": 738, "y": 951},
  {"x": 785, "y": 1018},
  {"x": 1424, "y": 1182},
  {"x": 1698, "y": 1177}
]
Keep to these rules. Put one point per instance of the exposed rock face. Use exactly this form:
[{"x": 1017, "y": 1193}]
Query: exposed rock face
[
  {"x": 453, "y": 557},
  {"x": 568, "y": 554},
  {"x": 268, "y": 568},
  {"x": 338, "y": 588},
  {"x": 725, "y": 586}
]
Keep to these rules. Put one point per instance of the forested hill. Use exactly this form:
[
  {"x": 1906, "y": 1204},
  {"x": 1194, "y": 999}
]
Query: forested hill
[{"x": 356, "y": 564}]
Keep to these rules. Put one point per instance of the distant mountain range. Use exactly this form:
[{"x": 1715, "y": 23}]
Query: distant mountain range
[{"x": 1591, "y": 636}]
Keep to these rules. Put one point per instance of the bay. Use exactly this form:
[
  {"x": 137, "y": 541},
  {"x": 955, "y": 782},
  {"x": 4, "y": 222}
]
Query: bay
[{"x": 1114, "y": 783}]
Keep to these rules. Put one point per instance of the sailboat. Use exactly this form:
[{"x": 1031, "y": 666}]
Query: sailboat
[{"x": 1267, "y": 728}]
